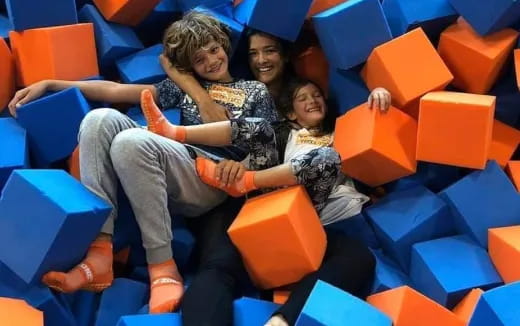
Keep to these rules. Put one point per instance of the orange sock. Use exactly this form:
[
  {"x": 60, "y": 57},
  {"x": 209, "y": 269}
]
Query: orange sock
[
  {"x": 206, "y": 170},
  {"x": 94, "y": 273},
  {"x": 166, "y": 288},
  {"x": 157, "y": 123}
]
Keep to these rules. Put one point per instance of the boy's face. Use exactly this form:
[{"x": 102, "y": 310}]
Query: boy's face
[{"x": 211, "y": 62}]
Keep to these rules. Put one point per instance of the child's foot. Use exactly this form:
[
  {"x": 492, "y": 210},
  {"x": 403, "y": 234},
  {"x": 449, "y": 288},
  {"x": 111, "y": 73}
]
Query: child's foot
[
  {"x": 277, "y": 320},
  {"x": 166, "y": 288},
  {"x": 157, "y": 123},
  {"x": 94, "y": 273},
  {"x": 206, "y": 169}
]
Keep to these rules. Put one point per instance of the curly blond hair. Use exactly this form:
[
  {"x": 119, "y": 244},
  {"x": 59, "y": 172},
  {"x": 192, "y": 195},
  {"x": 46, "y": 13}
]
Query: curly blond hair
[{"x": 193, "y": 32}]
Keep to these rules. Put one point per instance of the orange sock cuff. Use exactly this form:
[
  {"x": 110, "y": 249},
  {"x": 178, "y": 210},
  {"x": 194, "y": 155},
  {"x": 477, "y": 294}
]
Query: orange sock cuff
[
  {"x": 249, "y": 180},
  {"x": 180, "y": 134}
]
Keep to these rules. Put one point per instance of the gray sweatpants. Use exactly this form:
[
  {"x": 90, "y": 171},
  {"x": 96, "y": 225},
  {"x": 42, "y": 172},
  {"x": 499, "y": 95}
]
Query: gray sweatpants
[{"x": 155, "y": 172}]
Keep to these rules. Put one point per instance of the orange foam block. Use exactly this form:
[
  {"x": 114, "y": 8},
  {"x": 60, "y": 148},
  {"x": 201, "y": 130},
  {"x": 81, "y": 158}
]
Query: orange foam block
[
  {"x": 280, "y": 296},
  {"x": 504, "y": 142},
  {"x": 279, "y": 236},
  {"x": 312, "y": 65},
  {"x": 464, "y": 309},
  {"x": 7, "y": 75},
  {"x": 475, "y": 61},
  {"x": 55, "y": 53},
  {"x": 127, "y": 12},
  {"x": 73, "y": 164},
  {"x": 513, "y": 170},
  {"x": 455, "y": 129},
  {"x": 504, "y": 250},
  {"x": 376, "y": 147},
  {"x": 14, "y": 312},
  {"x": 517, "y": 66},
  {"x": 407, "y": 307},
  {"x": 407, "y": 66},
  {"x": 318, "y": 6}
]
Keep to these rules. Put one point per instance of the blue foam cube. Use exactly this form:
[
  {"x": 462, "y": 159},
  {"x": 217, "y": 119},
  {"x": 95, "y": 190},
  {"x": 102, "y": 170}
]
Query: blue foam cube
[
  {"x": 56, "y": 140},
  {"x": 136, "y": 114},
  {"x": 27, "y": 14},
  {"x": 483, "y": 200},
  {"x": 5, "y": 26},
  {"x": 124, "y": 297},
  {"x": 498, "y": 307},
  {"x": 403, "y": 218},
  {"x": 57, "y": 217},
  {"x": 358, "y": 228},
  {"x": 84, "y": 307},
  {"x": 142, "y": 67},
  {"x": 186, "y": 5},
  {"x": 155, "y": 320},
  {"x": 446, "y": 269},
  {"x": 252, "y": 312},
  {"x": 13, "y": 148},
  {"x": 346, "y": 89},
  {"x": 350, "y": 31},
  {"x": 328, "y": 305},
  {"x": 113, "y": 41},
  {"x": 388, "y": 274},
  {"x": 434, "y": 176},
  {"x": 182, "y": 247},
  {"x": 282, "y": 18}
]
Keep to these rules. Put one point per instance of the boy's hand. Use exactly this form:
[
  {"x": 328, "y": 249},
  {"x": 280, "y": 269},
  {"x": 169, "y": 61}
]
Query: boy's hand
[
  {"x": 213, "y": 112},
  {"x": 27, "y": 95},
  {"x": 380, "y": 98},
  {"x": 229, "y": 172}
]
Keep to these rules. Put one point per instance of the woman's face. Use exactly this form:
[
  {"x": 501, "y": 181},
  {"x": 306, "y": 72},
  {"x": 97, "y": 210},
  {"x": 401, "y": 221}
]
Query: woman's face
[
  {"x": 211, "y": 62},
  {"x": 309, "y": 107},
  {"x": 265, "y": 58}
]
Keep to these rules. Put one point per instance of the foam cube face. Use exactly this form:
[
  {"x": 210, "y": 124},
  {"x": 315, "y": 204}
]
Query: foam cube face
[
  {"x": 142, "y": 67},
  {"x": 346, "y": 90},
  {"x": 287, "y": 221},
  {"x": 156, "y": 320},
  {"x": 312, "y": 65},
  {"x": 516, "y": 54},
  {"x": 126, "y": 12},
  {"x": 447, "y": 269},
  {"x": 52, "y": 142},
  {"x": 504, "y": 142},
  {"x": 28, "y": 14},
  {"x": 282, "y": 18},
  {"x": 475, "y": 198},
  {"x": 495, "y": 307},
  {"x": 435, "y": 177},
  {"x": 348, "y": 310},
  {"x": 408, "y": 67},
  {"x": 13, "y": 148},
  {"x": 16, "y": 312},
  {"x": 7, "y": 77},
  {"x": 173, "y": 115},
  {"x": 475, "y": 61},
  {"x": 54, "y": 53},
  {"x": 388, "y": 274},
  {"x": 252, "y": 312},
  {"x": 513, "y": 170},
  {"x": 58, "y": 217},
  {"x": 465, "y": 308},
  {"x": 322, "y": 5},
  {"x": 358, "y": 228},
  {"x": 359, "y": 22},
  {"x": 487, "y": 17},
  {"x": 466, "y": 122},
  {"x": 403, "y": 218},
  {"x": 407, "y": 307},
  {"x": 504, "y": 249},
  {"x": 5, "y": 26},
  {"x": 367, "y": 139}
]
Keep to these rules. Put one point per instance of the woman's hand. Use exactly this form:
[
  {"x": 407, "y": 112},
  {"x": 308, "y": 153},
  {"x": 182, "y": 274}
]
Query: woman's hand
[
  {"x": 26, "y": 95},
  {"x": 229, "y": 172},
  {"x": 380, "y": 98}
]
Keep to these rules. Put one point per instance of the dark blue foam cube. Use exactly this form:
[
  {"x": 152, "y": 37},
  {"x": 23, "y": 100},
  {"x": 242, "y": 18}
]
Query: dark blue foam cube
[
  {"x": 282, "y": 18},
  {"x": 252, "y": 312},
  {"x": 5, "y": 26},
  {"x": 346, "y": 89},
  {"x": 27, "y": 14},
  {"x": 403, "y": 218},
  {"x": 358, "y": 228},
  {"x": 155, "y": 320},
  {"x": 350, "y": 31},
  {"x": 142, "y": 67},
  {"x": 52, "y": 124},
  {"x": 388, "y": 274},
  {"x": 13, "y": 148},
  {"x": 57, "y": 217},
  {"x": 483, "y": 200},
  {"x": 182, "y": 247},
  {"x": 328, "y": 305},
  {"x": 186, "y": 5},
  {"x": 433, "y": 176},
  {"x": 498, "y": 307},
  {"x": 84, "y": 307},
  {"x": 486, "y": 16},
  {"x": 446, "y": 269}
]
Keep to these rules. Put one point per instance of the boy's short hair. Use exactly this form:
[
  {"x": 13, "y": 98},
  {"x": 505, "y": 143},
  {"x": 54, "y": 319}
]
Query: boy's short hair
[{"x": 194, "y": 31}]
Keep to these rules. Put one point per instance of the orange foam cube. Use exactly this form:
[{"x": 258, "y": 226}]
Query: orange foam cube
[
  {"x": 407, "y": 66},
  {"x": 504, "y": 250},
  {"x": 15, "y": 312},
  {"x": 513, "y": 170},
  {"x": 376, "y": 147},
  {"x": 312, "y": 65},
  {"x": 504, "y": 142},
  {"x": 55, "y": 53},
  {"x": 517, "y": 66},
  {"x": 127, "y": 12},
  {"x": 7, "y": 77},
  {"x": 73, "y": 164},
  {"x": 407, "y": 307},
  {"x": 475, "y": 61},
  {"x": 281, "y": 296},
  {"x": 318, "y": 6},
  {"x": 455, "y": 128},
  {"x": 279, "y": 236},
  {"x": 464, "y": 309}
]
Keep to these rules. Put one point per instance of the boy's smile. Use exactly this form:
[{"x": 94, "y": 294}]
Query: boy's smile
[{"x": 211, "y": 63}]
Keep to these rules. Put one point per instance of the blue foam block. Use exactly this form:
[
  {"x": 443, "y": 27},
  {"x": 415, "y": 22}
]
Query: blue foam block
[
  {"x": 5, "y": 26},
  {"x": 483, "y": 200},
  {"x": 252, "y": 312},
  {"x": 124, "y": 297},
  {"x": 282, "y": 18},
  {"x": 328, "y": 305},
  {"x": 507, "y": 107},
  {"x": 433, "y": 176},
  {"x": 446, "y": 269},
  {"x": 146, "y": 320},
  {"x": 126, "y": 229},
  {"x": 27, "y": 14},
  {"x": 486, "y": 16},
  {"x": 113, "y": 41},
  {"x": 406, "y": 217},
  {"x": 152, "y": 28},
  {"x": 221, "y": 5},
  {"x": 142, "y": 67},
  {"x": 57, "y": 217},
  {"x": 13, "y": 148},
  {"x": 84, "y": 307},
  {"x": 52, "y": 124},
  {"x": 362, "y": 26},
  {"x": 182, "y": 247},
  {"x": 346, "y": 89},
  {"x": 136, "y": 114},
  {"x": 388, "y": 274},
  {"x": 498, "y": 307},
  {"x": 356, "y": 227}
]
